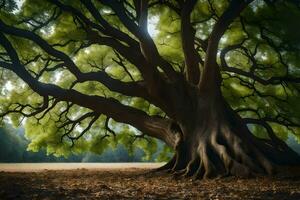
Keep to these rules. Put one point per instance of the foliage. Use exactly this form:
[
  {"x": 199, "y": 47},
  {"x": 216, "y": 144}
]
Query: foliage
[
  {"x": 14, "y": 149},
  {"x": 258, "y": 57}
]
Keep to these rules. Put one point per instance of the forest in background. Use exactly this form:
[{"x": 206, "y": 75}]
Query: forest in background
[{"x": 13, "y": 149}]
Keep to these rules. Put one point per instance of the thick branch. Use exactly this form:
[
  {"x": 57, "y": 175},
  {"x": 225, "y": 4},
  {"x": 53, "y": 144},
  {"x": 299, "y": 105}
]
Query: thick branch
[
  {"x": 148, "y": 47},
  {"x": 191, "y": 56},
  {"x": 210, "y": 78},
  {"x": 145, "y": 62},
  {"x": 130, "y": 89},
  {"x": 154, "y": 126},
  {"x": 105, "y": 27}
]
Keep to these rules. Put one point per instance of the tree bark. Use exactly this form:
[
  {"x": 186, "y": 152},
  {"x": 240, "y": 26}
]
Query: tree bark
[{"x": 216, "y": 142}]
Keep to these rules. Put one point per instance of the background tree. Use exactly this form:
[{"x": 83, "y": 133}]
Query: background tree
[
  {"x": 217, "y": 81},
  {"x": 13, "y": 149}
]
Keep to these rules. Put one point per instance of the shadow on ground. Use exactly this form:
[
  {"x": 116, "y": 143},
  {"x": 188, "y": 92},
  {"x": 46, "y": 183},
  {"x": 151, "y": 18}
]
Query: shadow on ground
[{"x": 137, "y": 184}]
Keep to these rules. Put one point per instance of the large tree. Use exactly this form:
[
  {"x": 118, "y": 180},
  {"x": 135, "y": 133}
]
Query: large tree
[{"x": 217, "y": 81}]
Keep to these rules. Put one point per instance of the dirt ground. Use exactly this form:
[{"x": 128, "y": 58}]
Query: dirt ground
[{"x": 136, "y": 183}]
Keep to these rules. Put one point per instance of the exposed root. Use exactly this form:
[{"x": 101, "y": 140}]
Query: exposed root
[
  {"x": 167, "y": 166},
  {"x": 192, "y": 167},
  {"x": 221, "y": 154},
  {"x": 221, "y": 145}
]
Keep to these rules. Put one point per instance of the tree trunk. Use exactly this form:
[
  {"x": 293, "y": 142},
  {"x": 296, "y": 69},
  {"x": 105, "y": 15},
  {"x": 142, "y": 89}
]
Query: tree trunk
[{"x": 215, "y": 142}]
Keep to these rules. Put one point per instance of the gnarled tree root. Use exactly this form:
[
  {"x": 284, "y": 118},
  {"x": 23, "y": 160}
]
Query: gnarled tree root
[{"x": 219, "y": 152}]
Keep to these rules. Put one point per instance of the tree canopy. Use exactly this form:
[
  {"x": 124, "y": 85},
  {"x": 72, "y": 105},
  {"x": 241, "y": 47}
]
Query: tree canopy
[{"x": 90, "y": 74}]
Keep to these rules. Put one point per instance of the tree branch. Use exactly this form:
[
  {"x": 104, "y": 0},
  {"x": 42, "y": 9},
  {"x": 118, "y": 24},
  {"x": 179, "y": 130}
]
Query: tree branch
[
  {"x": 147, "y": 45},
  {"x": 127, "y": 88},
  {"x": 278, "y": 143},
  {"x": 210, "y": 77},
  {"x": 251, "y": 74},
  {"x": 192, "y": 59},
  {"x": 154, "y": 126}
]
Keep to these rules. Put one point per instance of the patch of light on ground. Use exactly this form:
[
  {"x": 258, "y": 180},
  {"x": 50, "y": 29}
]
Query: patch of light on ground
[
  {"x": 37, "y": 167},
  {"x": 152, "y": 24}
]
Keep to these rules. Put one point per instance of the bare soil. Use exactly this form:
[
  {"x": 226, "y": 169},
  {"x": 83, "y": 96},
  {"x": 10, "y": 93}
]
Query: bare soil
[{"x": 138, "y": 183}]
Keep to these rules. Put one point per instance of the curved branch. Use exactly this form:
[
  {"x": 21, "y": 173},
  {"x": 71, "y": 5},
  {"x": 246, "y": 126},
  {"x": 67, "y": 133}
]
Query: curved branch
[
  {"x": 154, "y": 126},
  {"x": 105, "y": 27},
  {"x": 278, "y": 143},
  {"x": 74, "y": 123},
  {"x": 37, "y": 25},
  {"x": 146, "y": 63},
  {"x": 126, "y": 88},
  {"x": 271, "y": 81}
]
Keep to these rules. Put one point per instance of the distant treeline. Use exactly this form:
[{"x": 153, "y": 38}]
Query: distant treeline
[{"x": 13, "y": 147}]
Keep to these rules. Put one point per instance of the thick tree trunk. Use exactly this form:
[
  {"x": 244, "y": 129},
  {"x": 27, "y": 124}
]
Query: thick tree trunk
[{"x": 216, "y": 142}]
